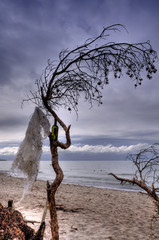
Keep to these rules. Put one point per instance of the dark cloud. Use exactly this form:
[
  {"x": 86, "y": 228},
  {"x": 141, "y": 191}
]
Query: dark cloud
[
  {"x": 89, "y": 156},
  {"x": 12, "y": 122},
  {"x": 34, "y": 31},
  {"x": 28, "y": 32},
  {"x": 103, "y": 140}
]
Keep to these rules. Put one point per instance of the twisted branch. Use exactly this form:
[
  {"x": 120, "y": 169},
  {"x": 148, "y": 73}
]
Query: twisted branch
[
  {"x": 146, "y": 162},
  {"x": 86, "y": 70}
]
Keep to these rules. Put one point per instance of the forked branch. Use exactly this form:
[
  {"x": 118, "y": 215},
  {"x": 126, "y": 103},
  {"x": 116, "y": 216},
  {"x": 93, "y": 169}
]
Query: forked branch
[
  {"x": 52, "y": 188},
  {"x": 147, "y": 173}
]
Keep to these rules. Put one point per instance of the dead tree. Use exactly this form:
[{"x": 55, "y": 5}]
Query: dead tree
[
  {"x": 147, "y": 172},
  {"x": 84, "y": 71},
  {"x": 52, "y": 188}
]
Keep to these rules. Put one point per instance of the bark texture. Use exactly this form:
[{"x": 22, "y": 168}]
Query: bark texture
[{"x": 52, "y": 188}]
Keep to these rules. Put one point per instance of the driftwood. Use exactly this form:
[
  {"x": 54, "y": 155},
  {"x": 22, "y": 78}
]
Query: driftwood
[
  {"x": 141, "y": 183},
  {"x": 13, "y": 225},
  {"x": 146, "y": 162},
  {"x": 52, "y": 188}
]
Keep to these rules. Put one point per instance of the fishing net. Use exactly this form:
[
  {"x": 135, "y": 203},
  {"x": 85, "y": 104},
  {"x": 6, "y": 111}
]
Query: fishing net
[{"x": 28, "y": 156}]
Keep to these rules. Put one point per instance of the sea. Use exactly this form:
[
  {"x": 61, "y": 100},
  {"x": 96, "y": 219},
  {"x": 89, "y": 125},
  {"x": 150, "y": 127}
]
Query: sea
[{"x": 86, "y": 173}]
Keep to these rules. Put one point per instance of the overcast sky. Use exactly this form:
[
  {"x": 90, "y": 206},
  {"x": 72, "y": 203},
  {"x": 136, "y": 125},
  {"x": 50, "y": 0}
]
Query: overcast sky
[{"x": 33, "y": 31}]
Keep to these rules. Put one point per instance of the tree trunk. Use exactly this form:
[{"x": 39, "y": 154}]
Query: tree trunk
[{"x": 51, "y": 189}]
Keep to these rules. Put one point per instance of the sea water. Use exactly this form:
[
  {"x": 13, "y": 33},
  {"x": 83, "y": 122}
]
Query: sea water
[{"x": 86, "y": 173}]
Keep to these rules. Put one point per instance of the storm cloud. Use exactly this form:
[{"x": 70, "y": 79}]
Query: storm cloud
[{"x": 31, "y": 32}]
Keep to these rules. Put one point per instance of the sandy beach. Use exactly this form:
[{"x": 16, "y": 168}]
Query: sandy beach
[{"x": 86, "y": 213}]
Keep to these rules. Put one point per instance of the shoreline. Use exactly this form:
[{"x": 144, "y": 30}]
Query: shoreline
[
  {"x": 95, "y": 175},
  {"x": 140, "y": 190},
  {"x": 85, "y": 212},
  {"x": 128, "y": 189}
]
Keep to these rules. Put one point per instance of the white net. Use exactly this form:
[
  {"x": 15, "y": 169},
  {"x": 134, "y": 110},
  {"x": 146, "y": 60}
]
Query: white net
[{"x": 28, "y": 157}]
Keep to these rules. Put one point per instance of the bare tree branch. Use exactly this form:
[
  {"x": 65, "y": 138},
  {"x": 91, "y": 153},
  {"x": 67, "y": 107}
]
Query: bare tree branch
[
  {"x": 86, "y": 69},
  {"x": 83, "y": 72},
  {"x": 147, "y": 164}
]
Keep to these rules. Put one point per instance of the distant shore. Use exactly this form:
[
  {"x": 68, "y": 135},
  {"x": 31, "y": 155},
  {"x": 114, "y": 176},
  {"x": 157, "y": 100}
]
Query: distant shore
[{"x": 85, "y": 212}]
